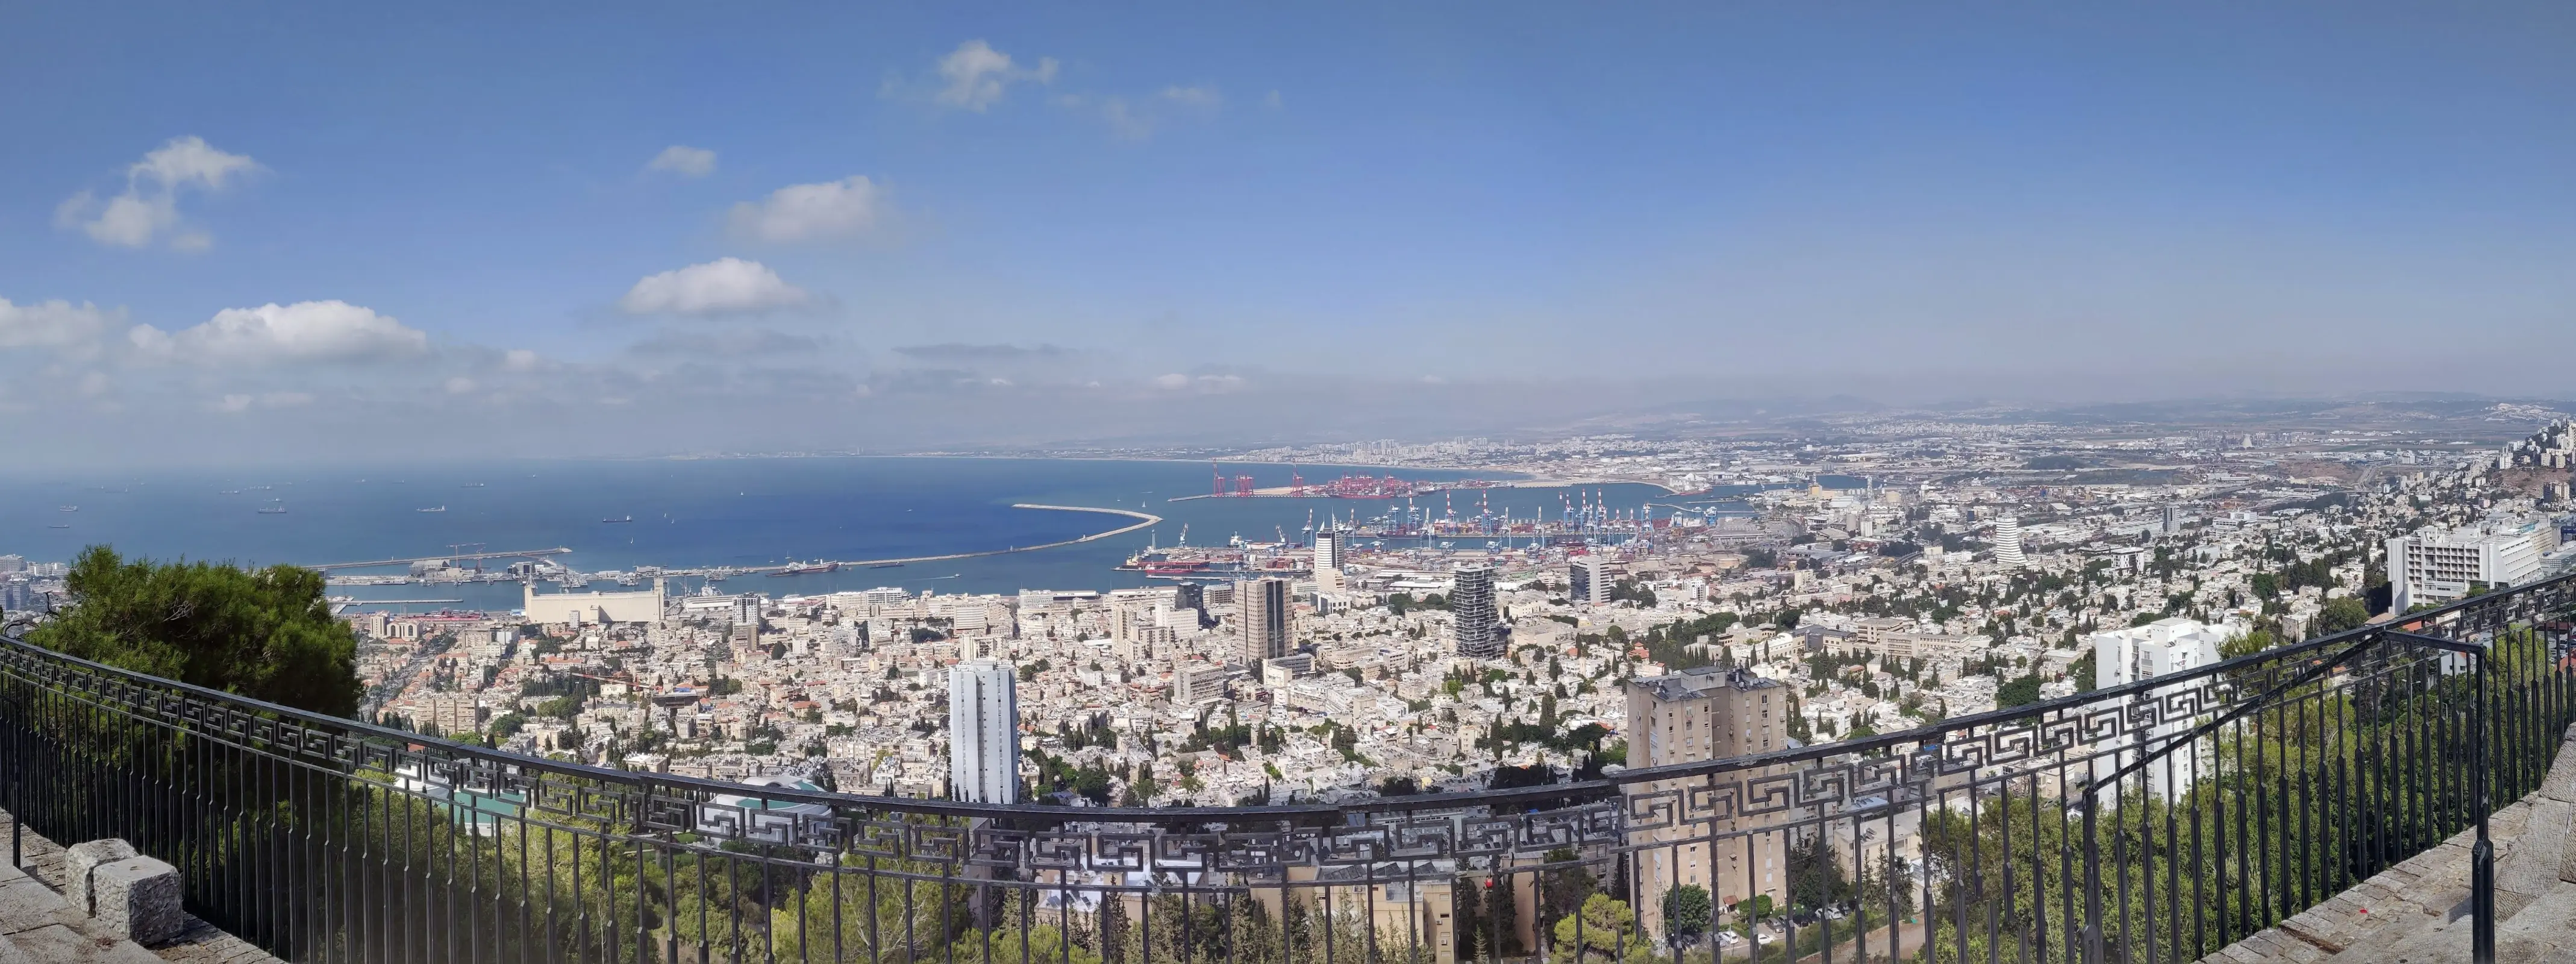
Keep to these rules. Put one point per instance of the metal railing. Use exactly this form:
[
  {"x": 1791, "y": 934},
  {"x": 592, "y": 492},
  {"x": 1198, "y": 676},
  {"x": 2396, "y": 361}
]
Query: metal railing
[{"x": 2156, "y": 821}]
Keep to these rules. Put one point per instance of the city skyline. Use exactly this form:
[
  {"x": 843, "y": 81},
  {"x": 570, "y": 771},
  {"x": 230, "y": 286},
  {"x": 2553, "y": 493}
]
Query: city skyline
[{"x": 230, "y": 236}]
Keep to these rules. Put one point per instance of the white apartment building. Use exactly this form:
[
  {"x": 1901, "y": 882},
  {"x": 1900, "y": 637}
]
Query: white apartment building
[
  {"x": 2008, "y": 543},
  {"x": 983, "y": 732},
  {"x": 2160, "y": 648},
  {"x": 2440, "y": 565}
]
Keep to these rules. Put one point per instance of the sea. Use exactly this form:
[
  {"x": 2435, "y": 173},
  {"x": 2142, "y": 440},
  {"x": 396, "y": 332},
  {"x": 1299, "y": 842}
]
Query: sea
[{"x": 697, "y": 513}]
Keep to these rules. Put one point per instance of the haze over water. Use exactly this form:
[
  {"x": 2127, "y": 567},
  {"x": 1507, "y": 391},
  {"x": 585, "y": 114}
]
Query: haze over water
[{"x": 698, "y": 513}]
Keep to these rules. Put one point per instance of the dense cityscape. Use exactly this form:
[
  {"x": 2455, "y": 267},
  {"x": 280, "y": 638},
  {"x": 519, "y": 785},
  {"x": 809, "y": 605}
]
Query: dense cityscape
[{"x": 1947, "y": 573}]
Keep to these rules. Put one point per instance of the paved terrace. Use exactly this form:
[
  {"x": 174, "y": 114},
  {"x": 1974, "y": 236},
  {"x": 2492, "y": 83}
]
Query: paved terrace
[
  {"x": 38, "y": 924},
  {"x": 2417, "y": 912}
]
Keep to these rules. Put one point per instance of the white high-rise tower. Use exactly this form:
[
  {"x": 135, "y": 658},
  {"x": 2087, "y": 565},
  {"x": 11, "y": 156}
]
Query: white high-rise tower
[
  {"x": 2008, "y": 543},
  {"x": 1328, "y": 560},
  {"x": 983, "y": 732}
]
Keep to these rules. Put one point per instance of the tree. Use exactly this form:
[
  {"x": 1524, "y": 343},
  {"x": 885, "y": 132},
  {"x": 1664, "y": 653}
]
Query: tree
[
  {"x": 2245, "y": 644},
  {"x": 2082, "y": 671},
  {"x": 1606, "y": 928},
  {"x": 2021, "y": 691},
  {"x": 2341, "y": 614},
  {"x": 1504, "y": 919},
  {"x": 1686, "y": 910},
  {"x": 266, "y": 634},
  {"x": 1468, "y": 898}
]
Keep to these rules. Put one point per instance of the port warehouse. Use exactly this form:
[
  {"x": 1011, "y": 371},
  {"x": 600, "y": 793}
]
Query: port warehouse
[{"x": 579, "y": 608}]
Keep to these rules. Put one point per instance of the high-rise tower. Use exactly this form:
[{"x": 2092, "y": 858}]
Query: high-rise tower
[
  {"x": 1474, "y": 625},
  {"x": 1263, "y": 605},
  {"x": 1328, "y": 560},
  {"x": 983, "y": 732},
  {"x": 1590, "y": 584},
  {"x": 2008, "y": 543}
]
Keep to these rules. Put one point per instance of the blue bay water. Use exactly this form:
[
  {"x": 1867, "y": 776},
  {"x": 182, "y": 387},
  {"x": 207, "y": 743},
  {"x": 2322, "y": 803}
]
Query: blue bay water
[{"x": 703, "y": 513}]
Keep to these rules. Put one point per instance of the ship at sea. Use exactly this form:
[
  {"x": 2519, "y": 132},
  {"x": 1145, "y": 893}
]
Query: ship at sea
[
  {"x": 803, "y": 568},
  {"x": 435, "y": 508},
  {"x": 623, "y": 518},
  {"x": 272, "y": 510}
]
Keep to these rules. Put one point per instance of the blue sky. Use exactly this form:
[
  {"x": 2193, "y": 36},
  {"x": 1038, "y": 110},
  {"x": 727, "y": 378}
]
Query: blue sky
[{"x": 1096, "y": 222}]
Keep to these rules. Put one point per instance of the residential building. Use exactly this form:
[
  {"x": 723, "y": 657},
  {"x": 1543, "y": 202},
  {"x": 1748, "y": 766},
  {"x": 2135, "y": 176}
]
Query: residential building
[
  {"x": 1705, "y": 713},
  {"x": 983, "y": 732},
  {"x": 2008, "y": 543},
  {"x": 2161, "y": 648},
  {"x": 1474, "y": 624},
  {"x": 1197, "y": 683}
]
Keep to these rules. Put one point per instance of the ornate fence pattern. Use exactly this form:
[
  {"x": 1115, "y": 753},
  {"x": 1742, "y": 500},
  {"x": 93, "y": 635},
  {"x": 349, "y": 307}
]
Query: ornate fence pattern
[{"x": 2157, "y": 821}]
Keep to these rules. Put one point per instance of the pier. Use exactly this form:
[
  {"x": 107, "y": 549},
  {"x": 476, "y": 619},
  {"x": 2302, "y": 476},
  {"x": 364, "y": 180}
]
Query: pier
[
  {"x": 462, "y": 556},
  {"x": 1142, "y": 520}
]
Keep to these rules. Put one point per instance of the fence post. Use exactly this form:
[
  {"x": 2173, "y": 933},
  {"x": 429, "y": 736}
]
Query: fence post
[
  {"x": 2092, "y": 802},
  {"x": 2481, "y": 857}
]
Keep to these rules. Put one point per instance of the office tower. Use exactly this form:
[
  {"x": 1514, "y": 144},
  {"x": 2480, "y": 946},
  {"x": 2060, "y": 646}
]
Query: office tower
[
  {"x": 1708, "y": 713},
  {"x": 1263, "y": 606},
  {"x": 1478, "y": 632},
  {"x": 1328, "y": 560},
  {"x": 2008, "y": 543},
  {"x": 983, "y": 732},
  {"x": 2165, "y": 646},
  {"x": 1590, "y": 585},
  {"x": 2173, "y": 518}
]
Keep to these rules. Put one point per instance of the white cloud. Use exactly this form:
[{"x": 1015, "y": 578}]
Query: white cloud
[
  {"x": 460, "y": 385},
  {"x": 683, "y": 160},
  {"x": 306, "y": 331},
  {"x": 1198, "y": 96},
  {"x": 148, "y": 209},
  {"x": 52, "y": 324},
  {"x": 812, "y": 212},
  {"x": 1136, "y": 120},
  {"x": 722, "y": 286},
  {"x": 238, "y": 403},
  {"x": 1205, "y": 383},
  {"x": 975, "y": 76},
  {"x": 519, "y": 360}
]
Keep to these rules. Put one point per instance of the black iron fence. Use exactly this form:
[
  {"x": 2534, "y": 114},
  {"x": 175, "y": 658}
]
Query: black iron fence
[{"x": 2156, "y": 821}]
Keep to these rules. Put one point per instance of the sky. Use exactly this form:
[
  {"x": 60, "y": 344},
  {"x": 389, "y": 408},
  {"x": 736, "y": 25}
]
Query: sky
[{"x": 253, "y": 231}]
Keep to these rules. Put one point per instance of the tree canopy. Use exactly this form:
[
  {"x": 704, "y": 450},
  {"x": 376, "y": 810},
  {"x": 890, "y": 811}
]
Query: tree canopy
[{"x": 267, "y": 634}]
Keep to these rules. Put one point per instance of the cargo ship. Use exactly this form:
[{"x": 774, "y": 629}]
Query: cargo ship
[{"x": 803, "y": 568}]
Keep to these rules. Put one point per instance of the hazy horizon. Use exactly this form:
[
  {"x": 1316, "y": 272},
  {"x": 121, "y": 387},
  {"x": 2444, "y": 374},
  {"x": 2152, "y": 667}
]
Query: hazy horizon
[{"x": 307, "y": 232}]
